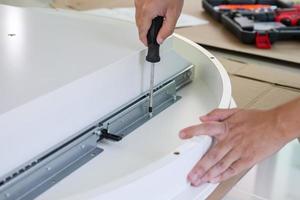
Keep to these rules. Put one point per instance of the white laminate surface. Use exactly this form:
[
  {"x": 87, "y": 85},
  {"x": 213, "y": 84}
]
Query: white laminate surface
[
  {"x": 48, "y": 50},
  {"x": 66, "y": 71},
  {"x": 146, "y": 145}
]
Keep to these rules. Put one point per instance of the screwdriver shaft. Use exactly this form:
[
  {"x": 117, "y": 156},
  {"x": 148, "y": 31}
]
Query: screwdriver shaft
[{"x": 151, "y": 89}]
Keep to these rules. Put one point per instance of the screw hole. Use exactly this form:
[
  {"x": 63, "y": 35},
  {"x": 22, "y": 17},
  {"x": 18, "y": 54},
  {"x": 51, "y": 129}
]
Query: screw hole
[
  {"x": 176, "y": 153},
  {"x": 212, "y": 57}
]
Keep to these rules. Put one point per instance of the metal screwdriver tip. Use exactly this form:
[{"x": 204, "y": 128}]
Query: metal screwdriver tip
[
  {"x": 151, "y": 89},
  {"x": 150, "y": 112}
]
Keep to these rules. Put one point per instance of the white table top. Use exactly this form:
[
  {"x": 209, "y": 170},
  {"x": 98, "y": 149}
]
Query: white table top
[
  {"x": 43, "y": 55},
  {"x": 88, "y": 67}
]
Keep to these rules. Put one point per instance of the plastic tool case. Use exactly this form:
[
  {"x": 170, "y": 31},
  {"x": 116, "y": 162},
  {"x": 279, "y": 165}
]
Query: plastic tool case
[{"x": 255, "y": 24}]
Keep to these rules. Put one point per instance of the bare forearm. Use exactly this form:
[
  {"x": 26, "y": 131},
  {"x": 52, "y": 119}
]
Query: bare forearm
[{"x": 288, "y": 119}]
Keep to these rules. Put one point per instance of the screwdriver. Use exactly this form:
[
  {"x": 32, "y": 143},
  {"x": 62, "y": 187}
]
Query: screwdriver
[{"x": 153, "y": 55}]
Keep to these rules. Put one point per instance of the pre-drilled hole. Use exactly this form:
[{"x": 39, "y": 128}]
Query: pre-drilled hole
[{"x": 176, "y": 153}]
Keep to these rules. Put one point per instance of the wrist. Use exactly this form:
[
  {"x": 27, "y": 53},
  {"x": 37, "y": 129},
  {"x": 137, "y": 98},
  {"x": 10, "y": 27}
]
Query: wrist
[{"x": 284, "y": 123}]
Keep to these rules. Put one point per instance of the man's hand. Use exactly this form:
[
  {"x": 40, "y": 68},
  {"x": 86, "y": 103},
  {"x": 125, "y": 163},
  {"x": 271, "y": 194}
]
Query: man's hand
[
  {"x": 242, "y": 138},
  {"x": 146, "y": 10}
]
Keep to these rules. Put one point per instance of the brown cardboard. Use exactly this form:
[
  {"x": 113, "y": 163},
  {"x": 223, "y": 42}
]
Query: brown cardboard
[
  {"x": 280, "y": 75},
  {"x": 232, "y": 67},
  {"x": 275, "y": 97},
  {"x": 262, "y": 87},
  {"x": 245, "y": 92}
]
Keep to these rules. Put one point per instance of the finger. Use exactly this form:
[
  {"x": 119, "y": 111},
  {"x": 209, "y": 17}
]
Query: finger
[
  {"x": 209, "y": 128},
  {"x": 143, "y": 30},
  {"x": 144, "y": 23},
  {"x": 218, "y": 115},
  {"x": 213, "y": 156},
  {"x": 236, "y": 168},
  {"x": 167, "y": 28},
  {"x": 222, "y": 165},
  {"x": 171, "y": 17}
]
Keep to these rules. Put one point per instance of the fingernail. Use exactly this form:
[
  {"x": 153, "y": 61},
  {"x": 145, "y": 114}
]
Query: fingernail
[
  {"x": 192, "y": 177},
  {"x": 159, "y": 40},
  {"x": 214, "y": 180},
  {"x": 197, "y": 182},
  {"x": 182, "y": 134}
]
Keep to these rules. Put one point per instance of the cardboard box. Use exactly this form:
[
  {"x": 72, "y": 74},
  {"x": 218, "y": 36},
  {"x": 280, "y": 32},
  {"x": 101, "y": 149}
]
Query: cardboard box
[{"x": 262, "y": 87}]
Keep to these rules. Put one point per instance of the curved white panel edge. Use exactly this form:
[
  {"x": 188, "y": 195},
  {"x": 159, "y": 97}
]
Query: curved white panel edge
[
  {"x": 164, "y": 179},
  {"x": 190, "y": 51},
  {"x": 171, "y": 171}
]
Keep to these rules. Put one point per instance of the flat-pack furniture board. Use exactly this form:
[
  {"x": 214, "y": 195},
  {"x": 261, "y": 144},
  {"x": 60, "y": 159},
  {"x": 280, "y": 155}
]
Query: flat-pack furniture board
[{"x": 73, "y": 120}]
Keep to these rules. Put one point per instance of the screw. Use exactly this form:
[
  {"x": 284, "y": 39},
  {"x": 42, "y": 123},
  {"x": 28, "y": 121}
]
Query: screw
[
  {"x": 48, "y": 168},
  {"x": 82, "y": 146},
  {"x": 98, "y": 132},
  {"x": 189, "y": 74},
  {"x": 174, "y": 97},
  {"x": 11, "y": 34}
]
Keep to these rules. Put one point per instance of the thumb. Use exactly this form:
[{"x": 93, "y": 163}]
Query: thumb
[
  {"x": 168, "y": 27},
  {"x": 208, "y": 128},
  {"x": 218, "y": 115}
]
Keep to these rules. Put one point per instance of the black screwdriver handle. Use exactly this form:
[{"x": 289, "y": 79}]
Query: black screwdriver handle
[{"x": 153, "y": 46}]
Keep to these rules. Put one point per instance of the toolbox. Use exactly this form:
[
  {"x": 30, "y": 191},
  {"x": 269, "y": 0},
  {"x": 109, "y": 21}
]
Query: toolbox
[{"x": 259, "y": 22}]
